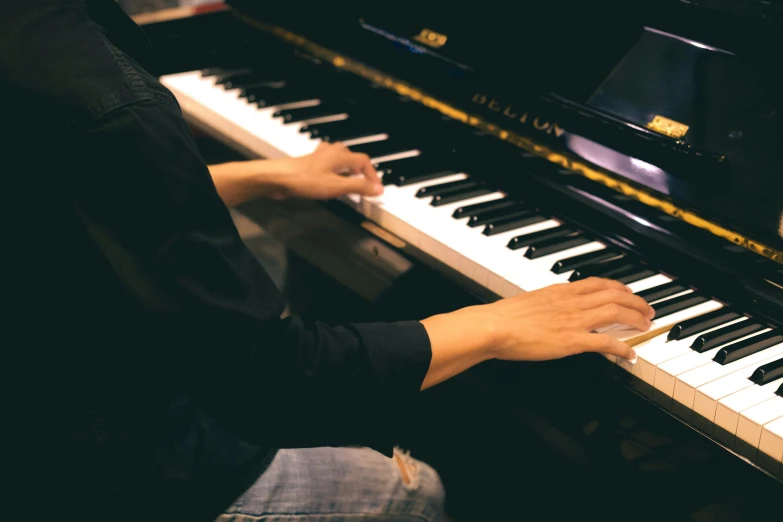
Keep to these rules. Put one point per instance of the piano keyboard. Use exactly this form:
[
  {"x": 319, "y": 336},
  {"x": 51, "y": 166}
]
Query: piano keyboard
[{"x": 713, "y": 366}]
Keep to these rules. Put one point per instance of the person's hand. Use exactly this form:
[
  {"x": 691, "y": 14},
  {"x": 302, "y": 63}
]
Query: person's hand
[
  {"x": 550, "y": 323},
  {"x": 560, "y": 320},
  {"x": 330, "y": 172}
]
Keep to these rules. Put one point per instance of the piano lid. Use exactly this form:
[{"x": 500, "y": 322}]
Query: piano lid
[{"x": 683, "y": 98}]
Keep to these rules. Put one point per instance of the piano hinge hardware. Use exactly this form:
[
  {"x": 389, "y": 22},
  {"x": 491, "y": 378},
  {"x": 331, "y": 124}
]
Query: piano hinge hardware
[
  {"x": 431, "y": 38},
  {"x": 383, "y": 234},
  {"x": 593, "y": 173},
  {"x": 667, "y": 127}
]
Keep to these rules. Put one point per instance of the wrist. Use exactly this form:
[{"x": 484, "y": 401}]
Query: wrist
[
  {"x": 270, "y": 178},
  {"x": 486, "y": 333},
  {"x": 491, "y": 334}
]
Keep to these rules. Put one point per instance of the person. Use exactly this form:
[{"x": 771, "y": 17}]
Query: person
[{"x": 152, "y": 372}]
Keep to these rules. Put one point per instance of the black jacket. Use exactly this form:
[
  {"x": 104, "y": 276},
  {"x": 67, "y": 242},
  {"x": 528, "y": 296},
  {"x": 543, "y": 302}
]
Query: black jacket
[{"x": 151, "y": 372}]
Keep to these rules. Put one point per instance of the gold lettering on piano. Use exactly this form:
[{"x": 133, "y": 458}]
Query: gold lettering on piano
[
  {"x": 509, "y": 112},
  {"x": 431, "y": 38},
  {"x": 668, "y": 127},
  {"x": 540, "y": 126}
]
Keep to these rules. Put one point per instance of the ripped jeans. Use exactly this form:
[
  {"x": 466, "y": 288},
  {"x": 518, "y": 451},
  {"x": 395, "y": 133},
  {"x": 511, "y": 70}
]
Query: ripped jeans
[{"x": 341, "y": 484}]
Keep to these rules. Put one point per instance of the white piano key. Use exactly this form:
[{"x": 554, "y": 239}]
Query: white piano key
[
  {"x": 658, "y": 350},
  {"x": 399, "y": 210},
  {"x": 729, "y": 408},
  {"x": 687, "y": 382},
  {"x": 771, "y": 444},
  {"x": 366, "y": 139},
  {"x": 396, "y": 156},
  {"x": 633, "y": 336},
  {"x": 232, "y": 118},
  {"x": 705, "y": 402},
  {"x": 438, "y": 224},
  {"x": 667, "y": 373},
  {"x": 320, "y": 119},
  {"x": 648, "y": 282},
  {"x": 626, "y": 333},
  {"x": 751, "y": 422}
]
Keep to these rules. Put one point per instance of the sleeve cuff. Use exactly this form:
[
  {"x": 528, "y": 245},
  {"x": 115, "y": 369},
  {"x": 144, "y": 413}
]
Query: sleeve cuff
[{"x": 400, "y": 354}]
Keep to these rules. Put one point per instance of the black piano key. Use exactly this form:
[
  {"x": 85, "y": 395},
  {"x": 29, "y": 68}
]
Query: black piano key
[
  {"x": 318, "y": 130},
  {"x": 413, "y": 170},
  {"x": 572, "y": 263},
  {"x": 478, "y": 209},
  {"x": 334, "y": 137},
  {"x": 634, "y": 275},
  {"x": 244, "y": 79},
  {"x": 307, "y": 113},
  {"x": 270, "y": 97},
  {"x": 780, "y": 391},
  {"x": 512, "y": 224},
  {"x": 542, "y": 235},
  {"x": 678, "y": 304},
  {"x": 555, "y": 245},
  {"x": 251, "y": 94},
  {"x": 403, "y": 180},
  {"x": 702, "y": 323},
  {"x": 440, "y": 188},
  {"x": 377, "y": 149},
  {"x": 768, "y": 372},
  {"x": 662, "y": 291},
  {"x": 222, "y": 72},
  {"x": 270, "y": 81},
  {"x": 619, "y": 270},
  {"x": 740, "y": 349},
  {"x": 460, "y": 195},
  {"x": 485, "y": 218},
  {"x": 605, "y": 269},
  {"x": 724, "y": 335},
  {"x": 343, "y": 130},
  {"x": 267, "y": 76}
]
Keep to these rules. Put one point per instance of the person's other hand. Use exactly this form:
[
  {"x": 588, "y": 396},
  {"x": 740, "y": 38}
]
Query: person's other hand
[{"x": 330, "y": 172}]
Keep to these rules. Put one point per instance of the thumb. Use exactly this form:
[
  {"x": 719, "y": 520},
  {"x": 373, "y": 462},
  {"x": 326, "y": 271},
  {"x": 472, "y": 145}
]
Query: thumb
[
  {"x": 356, "y": 184},
  {"x": 603, "y": 343}
]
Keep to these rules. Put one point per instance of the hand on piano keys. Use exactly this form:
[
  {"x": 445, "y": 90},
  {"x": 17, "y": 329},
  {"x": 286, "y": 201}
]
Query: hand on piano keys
[
  {"x": 550, "y": 323},
  {"x": 331, "y": 171}
]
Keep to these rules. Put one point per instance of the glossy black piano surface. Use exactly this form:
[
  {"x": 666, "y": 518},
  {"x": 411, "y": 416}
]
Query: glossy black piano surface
[
  {"x": 592, "y": 76},
  {"x": 610, "y": 86}
]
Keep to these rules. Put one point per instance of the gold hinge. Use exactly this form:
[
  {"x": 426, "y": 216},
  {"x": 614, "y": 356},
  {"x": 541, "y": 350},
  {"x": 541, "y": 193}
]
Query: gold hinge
[
  {"x": 431, "y": 38},
  {"x": 670, "y": 128}
]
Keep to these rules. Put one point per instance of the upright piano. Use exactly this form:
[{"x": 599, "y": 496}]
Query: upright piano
[{"x": 538, "y": 144}]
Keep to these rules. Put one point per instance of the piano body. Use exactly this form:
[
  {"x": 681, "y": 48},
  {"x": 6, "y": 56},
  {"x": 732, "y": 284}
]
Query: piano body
[{"x": 528, "y": 147}]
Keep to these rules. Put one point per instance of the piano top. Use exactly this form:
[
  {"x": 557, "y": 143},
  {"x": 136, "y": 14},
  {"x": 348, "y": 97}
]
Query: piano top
[{"x": 683, "y": 100}]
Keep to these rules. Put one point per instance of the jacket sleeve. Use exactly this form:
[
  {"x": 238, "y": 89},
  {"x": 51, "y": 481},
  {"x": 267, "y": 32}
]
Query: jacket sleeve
[{"x": 147, "y": 198}]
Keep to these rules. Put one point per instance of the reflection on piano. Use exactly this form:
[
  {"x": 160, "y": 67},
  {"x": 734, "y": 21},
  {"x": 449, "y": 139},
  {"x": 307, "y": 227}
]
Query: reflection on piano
[{"x": 658, "y": 167}]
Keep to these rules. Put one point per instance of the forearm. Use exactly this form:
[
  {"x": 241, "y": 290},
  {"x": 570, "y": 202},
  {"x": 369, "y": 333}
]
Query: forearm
[
  {"x": 241, "y": 181},
  {"x": 459, "y": 340}
]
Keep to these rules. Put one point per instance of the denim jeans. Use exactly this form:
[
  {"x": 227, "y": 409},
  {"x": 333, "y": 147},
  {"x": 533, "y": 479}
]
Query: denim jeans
[{"x": 341, "y": 484}]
